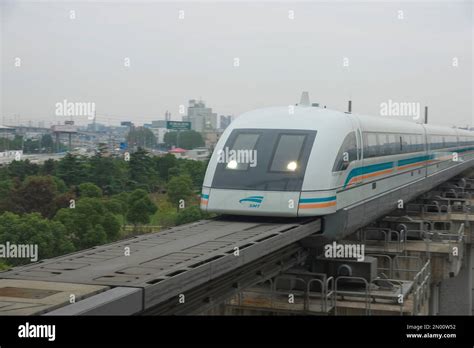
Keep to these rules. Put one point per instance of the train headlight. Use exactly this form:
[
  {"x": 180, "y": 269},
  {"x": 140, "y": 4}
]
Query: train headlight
[
  {"x": 292, "y": 166},
  {"x": 232, "y": 164}
]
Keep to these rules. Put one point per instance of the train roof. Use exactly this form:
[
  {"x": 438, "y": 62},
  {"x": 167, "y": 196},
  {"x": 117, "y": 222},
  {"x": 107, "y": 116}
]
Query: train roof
[{"x": 317, "y": 118}]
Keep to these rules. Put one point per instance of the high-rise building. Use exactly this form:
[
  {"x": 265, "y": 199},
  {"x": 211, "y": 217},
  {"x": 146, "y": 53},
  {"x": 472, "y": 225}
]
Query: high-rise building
[
  {"x": 225, "y": 121},
  {"x": 201, "y": 117}
]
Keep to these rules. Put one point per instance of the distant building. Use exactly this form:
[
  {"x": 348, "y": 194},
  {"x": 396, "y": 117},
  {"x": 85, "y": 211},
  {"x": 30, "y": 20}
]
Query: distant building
[
  {"x": 225, "y": 121},
  {"x": 211, "y": 138},
  {"x": 159, "y": 128},
  {"x": 198, "y": 154},
  {"x": 96, "y": 127},
  {"x": 201, "y": 117},
  {"x": 178, "y": 152}
]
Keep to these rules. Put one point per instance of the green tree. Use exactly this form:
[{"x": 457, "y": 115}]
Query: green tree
[
  {"x": 72, "y": 170},
  {"x": 141, "y": 171},
  {"x": 51, "y": 237},
  {"x": 90, "y": 190},
  {"x": 141, "y": 137},
  {"x": 195, "y": 169},
  {"x": 22, "y": 169},
  {"x": 140, "y": 212},
  {"x": 36, "y": 194},
  {"x": 163, "y": 165},
  {"x": 49, "y": 167},
  {"x": 179, "y": 188},
  {"x": 188, "y": 215},
  {"x": 108, "y": 173},
  {"x": 90, "y": 223},
  {"x": 140, "y": 208},
  {"x": 187, "y": 139}
]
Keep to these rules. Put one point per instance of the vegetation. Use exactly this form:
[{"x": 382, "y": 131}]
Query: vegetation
[
  {"x": 187, "y": 139},
  {"x": 142, "y": 137},
  {"x": 79, "y": 202},
  {"x": 45, "y": 144}
]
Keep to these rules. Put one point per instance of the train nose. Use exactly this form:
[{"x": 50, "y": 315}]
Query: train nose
[{"x": 246, "y": 202}]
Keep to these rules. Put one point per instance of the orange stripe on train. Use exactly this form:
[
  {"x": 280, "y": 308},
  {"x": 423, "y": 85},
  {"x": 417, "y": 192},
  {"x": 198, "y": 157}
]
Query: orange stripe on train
[{"x": 317, "y": 205}]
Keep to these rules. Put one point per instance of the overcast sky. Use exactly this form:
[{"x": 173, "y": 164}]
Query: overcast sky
[{"x": 173, "y": 60}]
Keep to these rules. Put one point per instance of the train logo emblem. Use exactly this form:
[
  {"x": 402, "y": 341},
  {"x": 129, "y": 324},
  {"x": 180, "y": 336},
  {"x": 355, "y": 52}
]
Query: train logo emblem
[{"x": 252, "y": 201}]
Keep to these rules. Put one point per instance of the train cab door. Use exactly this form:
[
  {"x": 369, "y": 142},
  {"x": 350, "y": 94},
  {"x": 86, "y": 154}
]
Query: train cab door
[{"x": 360, "y": 144}]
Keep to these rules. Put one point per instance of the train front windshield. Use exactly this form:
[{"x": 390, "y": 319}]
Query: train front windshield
[{"x": 264, "y": 159}]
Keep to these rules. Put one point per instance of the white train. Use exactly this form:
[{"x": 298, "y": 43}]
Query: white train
[{"x": 313, "y": 161}]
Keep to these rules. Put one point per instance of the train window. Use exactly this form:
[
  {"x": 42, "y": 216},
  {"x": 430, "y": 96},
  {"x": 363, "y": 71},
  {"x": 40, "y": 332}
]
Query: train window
[
  {"x": 347, "y": 153},
  {"x": 371, "y": 147},
  {"x": 411, "y": 143},
  {"x": 404, "y": 141},
  {"x": 243, "y": 141},
  {"x": 383, "y": 148},
  {"x": 287, "y": 153},
  {"x": 392, "y": 143},
  {"x": 419, "y": 141}
]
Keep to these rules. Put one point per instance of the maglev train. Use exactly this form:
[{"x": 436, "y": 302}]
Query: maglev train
[{"x": 305, "y": 161}]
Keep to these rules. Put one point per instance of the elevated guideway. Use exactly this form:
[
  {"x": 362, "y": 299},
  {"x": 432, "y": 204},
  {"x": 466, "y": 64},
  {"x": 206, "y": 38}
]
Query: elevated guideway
[{"x": 140, "y": 273}]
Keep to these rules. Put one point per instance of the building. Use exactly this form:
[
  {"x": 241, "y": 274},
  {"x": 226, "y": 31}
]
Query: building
[
  {"x": 159, "y": 129},
  {"x": 198, "y": 154},
  {"x": 225, "y": 121},
  {"x": 201, "y": 117},
  {"x": 178, "y": 152},
  {"x": 211, "y": 138}
]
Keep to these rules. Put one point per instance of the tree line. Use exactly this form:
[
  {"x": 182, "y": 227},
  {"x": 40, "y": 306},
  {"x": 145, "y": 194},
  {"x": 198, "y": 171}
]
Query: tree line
[{"x": 79, "y": 202}]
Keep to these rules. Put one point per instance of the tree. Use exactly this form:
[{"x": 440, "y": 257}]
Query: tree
[
  {"x": 187, "y": 139},
  {"x": 107, "y": 173},
  {"x": 51, "y": 237},
  {"x": 195, "y": 169},
  {"x": 22, "y": 169},
  {"x": 163, "y": 164},
  {"x": 71, "y": 169},
  {"x": 179, "y": 188},
  {"x": 90, "y": 223},
  {"x": 141, "y": 171},
  {"x": 90, "y": 190},
  {"x": 140, "y": 212},
  {"x": 188, "y": 215},
  {"x": 141, "y": 137},
  {"x": 141, "y": 208},
  {"x": 36, "y": 194},
  {"x": 49, "y": 167}
]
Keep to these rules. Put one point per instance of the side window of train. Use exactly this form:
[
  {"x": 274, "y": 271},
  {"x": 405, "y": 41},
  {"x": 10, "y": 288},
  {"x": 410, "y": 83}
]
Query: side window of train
[
  {"x": 384, "y": 146},
  {"x": 371, "y": 146},
  {"x": 347, "y": 153},
  {"x": 392, "y": 143}
]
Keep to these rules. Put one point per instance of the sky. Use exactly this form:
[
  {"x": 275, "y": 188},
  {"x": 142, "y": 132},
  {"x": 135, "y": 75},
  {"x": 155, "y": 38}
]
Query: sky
[{"x": 398, "y": 51}]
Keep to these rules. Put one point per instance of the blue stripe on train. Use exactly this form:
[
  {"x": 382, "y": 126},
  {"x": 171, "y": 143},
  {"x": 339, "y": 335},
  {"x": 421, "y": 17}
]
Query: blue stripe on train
[{"x": 317, "y": 200}]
